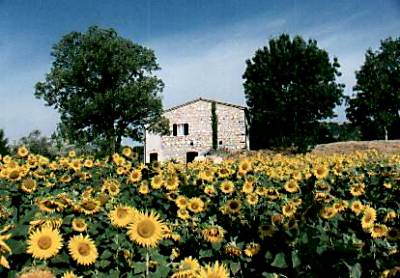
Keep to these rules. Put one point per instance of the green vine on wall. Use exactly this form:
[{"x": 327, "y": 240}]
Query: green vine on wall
[{"x": 214, "y": 125}]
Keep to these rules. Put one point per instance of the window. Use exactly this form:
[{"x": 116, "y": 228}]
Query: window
[
  {"x": 174, "y": 129},
  {"x": 180, "y": 129},
  {"x": 220, "y": 142},
  {"x": 153, "y": 157}
]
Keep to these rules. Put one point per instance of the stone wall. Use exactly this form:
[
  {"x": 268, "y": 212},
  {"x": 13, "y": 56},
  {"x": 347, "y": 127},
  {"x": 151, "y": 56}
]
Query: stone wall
[
  {"x": 231, "y": 131},
  {"x": 231, "y": 127}
]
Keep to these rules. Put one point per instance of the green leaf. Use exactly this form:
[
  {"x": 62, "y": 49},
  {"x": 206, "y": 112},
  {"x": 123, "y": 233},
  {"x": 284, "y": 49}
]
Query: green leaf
[
  {"x": 295, "y": 259},
  {"x": 139, "y": 267},
  {"x": 205, "y": 253},
  {"x": 355, "y": 270},
  {"x": 269, "y": 275},
  {"x": 114, "y": 274},
  {"x": 17, "y": 246},
  {"x": 104, "y": 263},
  {"x": 235, "y": 267},
  {"x": 106, "y": 254},
  {"x": 279, "y": 261}
]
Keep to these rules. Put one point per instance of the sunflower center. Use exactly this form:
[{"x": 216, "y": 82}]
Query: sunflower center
[
  {"x": 146, "y": 228},
  {"x": 122, "y": 213},
  {"x": 84, "y": 249},
  {"x": 234, "y": 205},
  {"x": 44, "y": 242},
  {"x": 194, "y": 206},
  {"x": 89, "y": 205}
]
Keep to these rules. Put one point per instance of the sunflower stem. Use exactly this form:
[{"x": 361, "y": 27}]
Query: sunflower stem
[{"x": 147, "y": 263}]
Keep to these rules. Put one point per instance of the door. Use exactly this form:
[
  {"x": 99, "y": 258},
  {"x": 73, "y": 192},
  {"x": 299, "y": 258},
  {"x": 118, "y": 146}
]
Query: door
[{"x": 190, "y": 156}]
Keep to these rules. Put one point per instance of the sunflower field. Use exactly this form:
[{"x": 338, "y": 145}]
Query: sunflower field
[{"x": 256, "y": 215}]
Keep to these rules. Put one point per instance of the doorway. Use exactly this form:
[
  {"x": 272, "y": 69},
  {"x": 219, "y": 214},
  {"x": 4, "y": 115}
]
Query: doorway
[{"x": 190, "y": 156}]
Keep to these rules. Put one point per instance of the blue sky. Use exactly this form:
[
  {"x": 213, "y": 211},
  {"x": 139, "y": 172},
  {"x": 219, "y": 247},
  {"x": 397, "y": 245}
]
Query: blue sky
[{"x": 201, "y": 45}]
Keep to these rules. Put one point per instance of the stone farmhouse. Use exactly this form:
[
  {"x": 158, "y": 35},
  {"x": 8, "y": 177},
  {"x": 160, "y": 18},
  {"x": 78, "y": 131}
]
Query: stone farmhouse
[{"x": 191, "y": 131}]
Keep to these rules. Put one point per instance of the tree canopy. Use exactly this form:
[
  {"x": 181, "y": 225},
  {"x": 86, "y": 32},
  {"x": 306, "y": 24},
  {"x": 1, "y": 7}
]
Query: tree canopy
[
  {"x": 290, "y": 85},
  {"x": 375, "y": 108},
  {"x": 103, "y": 86},
  {"x": 3, "y": 143}
]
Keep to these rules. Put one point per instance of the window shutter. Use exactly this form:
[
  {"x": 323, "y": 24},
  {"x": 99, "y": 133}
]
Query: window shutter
[
  {"x": 186, "y": 129},
  {"x": 174, "y": 130}
]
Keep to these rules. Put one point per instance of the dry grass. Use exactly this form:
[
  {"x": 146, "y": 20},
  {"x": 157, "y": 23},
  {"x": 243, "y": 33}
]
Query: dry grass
[{"x": 389, "y": 147}]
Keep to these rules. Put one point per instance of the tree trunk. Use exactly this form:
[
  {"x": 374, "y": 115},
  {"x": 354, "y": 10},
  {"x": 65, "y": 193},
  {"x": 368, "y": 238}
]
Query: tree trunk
[{"x": 386, "y": 133}]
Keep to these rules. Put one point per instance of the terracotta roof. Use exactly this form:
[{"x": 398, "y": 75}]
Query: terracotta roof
[{"x": 207, "y": 100}]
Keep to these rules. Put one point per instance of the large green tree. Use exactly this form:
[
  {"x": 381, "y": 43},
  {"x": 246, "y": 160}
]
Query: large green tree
[
  {"x": 4, "y": 149},
  {"x": 375, "y": 108},
  {"x": 104, "y": 87},
  {"x": 290, "y": 85}
]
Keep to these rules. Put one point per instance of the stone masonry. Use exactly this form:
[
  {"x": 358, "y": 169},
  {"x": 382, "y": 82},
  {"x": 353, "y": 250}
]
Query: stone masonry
[{"x": 232, "y": 130}]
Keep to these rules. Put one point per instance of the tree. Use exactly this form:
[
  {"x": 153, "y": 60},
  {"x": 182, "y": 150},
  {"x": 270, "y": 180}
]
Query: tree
[
  {"x": 3, "y": 144},
  {"x": 103, "y": 86},
  {"x": 290, "y": 85},
  {"x": 375, "y": 107},
  {"x": 37, "y": 144}
]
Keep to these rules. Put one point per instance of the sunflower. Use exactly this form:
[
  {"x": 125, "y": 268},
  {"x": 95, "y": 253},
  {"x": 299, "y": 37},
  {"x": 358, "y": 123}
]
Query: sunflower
[
  {"x": 390, "y": 215},
  {"x": 126, "y": 151},
  {"x": 231, "y": 249},
  {"x": 36, "y": 272},
  {"x": 247, "y": 187},
  {"x": 70, "y": 274},
  {"x": 272, "y": 193},
  {"x": 44, "y": 243},
  {"x": 266, "y": 231},
  {"x": 340, "y": 205},
  {"x": 227, "y": 187},
  {"x": 207, "y": 175},
  {"x": 183, "y": 214},
  {"x": 368, "y": 218},
  {"x": 357, "y": 207},
  {"x": 88, "y": 163},
  {"x": 224, "y": 172},
  {"x": 82, "y": 249},
  {"x": 181, "y": 202},
  {"x": 252, "y": 199},
  {"x": 357, "y": 189},
  {"x": 79, "y": 225},
  {"x": 144, "y": 188},
  {"x": 146, "y": 229},
  {"x": 378, "y": 230},
  {"x": 232, "y": 206},
  {"x": 328, "y": 212},
  {"x": 209, "y": 190},
  {"x": 213, "y": 234},
  {"x": 14, "y": 174},
  {"x": 321, "y": 172},
  {"x": 171, "y": 183},
  {"x": 393, "y": 234},
  {"x": 277, "y": 218},
  {"x": 28, "y": 185},
  {"x": 244, "y": 167},
  {"x": 288, "y": 210},
  {"x": 122, "y": 216},
  {"x": 89, "y": 206},
  {"x": 189, "y": 263},
  {"x": 111, "y": 186},
  {"x": 135, "y": 176},
  {"x": 47, "y": 205},
  {"x": 22, "y": 151},
  {"x": 4, "y": 262},
  {"x": 195, "y": 205},
  {"x": 157, "y": 182},
  {"x": 252, "y": 249},
  {"x": 214, "y": 271},
  {"x": 292, "y": 186}
]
